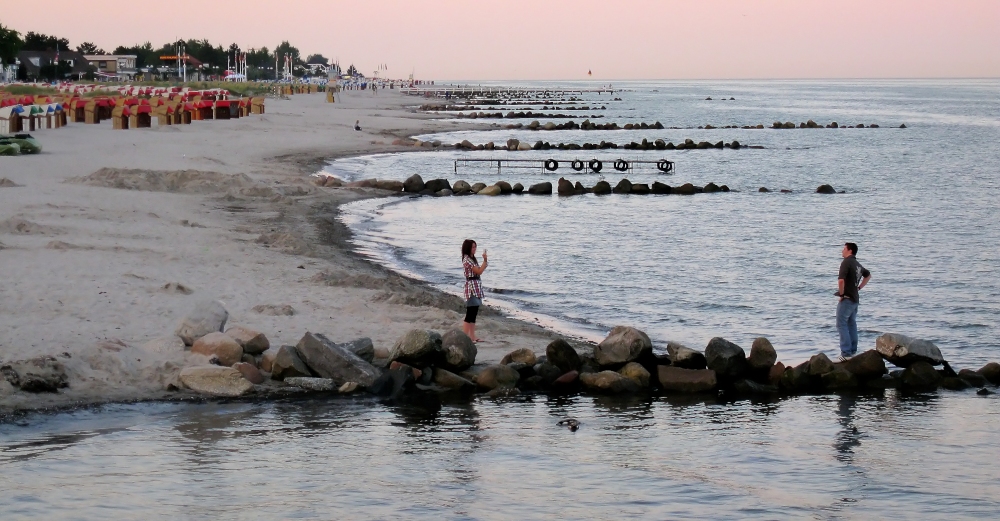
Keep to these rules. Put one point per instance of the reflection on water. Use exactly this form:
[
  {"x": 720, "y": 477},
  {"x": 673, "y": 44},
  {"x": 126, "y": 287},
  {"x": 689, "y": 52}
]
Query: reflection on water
[{"x": 881, "y": 455}]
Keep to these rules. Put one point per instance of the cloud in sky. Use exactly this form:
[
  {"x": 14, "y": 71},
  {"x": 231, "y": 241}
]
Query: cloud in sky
[{"x": 563, "y": 39}]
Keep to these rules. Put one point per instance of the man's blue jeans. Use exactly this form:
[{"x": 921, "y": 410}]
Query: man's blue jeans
[{"x": 847, "y": 326}]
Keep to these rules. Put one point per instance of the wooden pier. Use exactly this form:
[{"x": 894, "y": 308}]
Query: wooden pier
[{"x": 551, "y": 166}]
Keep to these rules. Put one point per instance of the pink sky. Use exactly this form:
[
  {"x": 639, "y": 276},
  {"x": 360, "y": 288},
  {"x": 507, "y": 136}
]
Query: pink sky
[{"x": 557, "y": 39}]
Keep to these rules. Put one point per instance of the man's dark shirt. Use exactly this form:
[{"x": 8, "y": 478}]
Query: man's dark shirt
[{"x": 852, "y": 272}]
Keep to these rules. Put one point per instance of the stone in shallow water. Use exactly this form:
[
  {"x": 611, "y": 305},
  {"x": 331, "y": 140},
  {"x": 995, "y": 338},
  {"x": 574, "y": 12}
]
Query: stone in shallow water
[
  {"x": 562, "y": 355},
  {"x": 867, "y": 365},
  {"x": 522, "y": 355},
  {"x": 682, "y": 380},
  {"x": 418, "y": 347},
  {"x": 637, "y": 373},
  {"x": 287, "y": 364},
  {"x": 902, "y": 351},
  {"x": 920, "y": 376},
  {"x": 215, "y": 380},
  {"x": 497, "y": 376},
  {"x": 334, "y": 361},
  {"x": 623, "y": 344},
  {"x": 685, "y": 357},
  {"x": 727, "y": 359},
  {"x": 43, "y": 374},
  {"x": 608, "y": 382},
  {"x": 312, "y": 384},
  {"x": 458, "y": 350},
  {"x": 762, "y": 355}
]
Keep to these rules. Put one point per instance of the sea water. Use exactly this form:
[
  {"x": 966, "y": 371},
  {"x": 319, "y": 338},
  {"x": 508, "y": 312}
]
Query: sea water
[{"x": 919, "y": 201}]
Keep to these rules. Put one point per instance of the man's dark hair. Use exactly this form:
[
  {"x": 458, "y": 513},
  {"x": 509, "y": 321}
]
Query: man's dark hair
[{"x": 853, "y": 247}]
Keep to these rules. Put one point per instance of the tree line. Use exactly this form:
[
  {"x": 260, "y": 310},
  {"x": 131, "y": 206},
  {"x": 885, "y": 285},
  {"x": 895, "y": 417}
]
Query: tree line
[{"x": 260, "y": 61}]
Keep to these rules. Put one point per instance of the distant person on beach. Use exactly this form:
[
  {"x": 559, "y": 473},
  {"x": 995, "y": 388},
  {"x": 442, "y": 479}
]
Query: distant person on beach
[
  {"x": 853, "y": 276},
  {"x": 473, "y": 286},
  {"x": 357, "y": 125}
]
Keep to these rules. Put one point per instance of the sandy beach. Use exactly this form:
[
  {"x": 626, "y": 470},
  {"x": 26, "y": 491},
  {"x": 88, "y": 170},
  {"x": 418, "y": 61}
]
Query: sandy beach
[{"x": 112, "y": 236}]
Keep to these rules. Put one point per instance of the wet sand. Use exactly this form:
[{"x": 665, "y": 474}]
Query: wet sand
[{"x": 114, "y": 235}]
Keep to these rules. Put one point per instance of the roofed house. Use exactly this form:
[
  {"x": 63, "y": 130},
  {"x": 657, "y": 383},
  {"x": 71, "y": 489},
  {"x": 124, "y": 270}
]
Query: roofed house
[
  {"x": 33, "y": 61},
  {"x": 107, "y": 65}
]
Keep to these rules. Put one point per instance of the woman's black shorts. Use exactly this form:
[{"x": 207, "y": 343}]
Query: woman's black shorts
[{"x": 470, "y": 314}]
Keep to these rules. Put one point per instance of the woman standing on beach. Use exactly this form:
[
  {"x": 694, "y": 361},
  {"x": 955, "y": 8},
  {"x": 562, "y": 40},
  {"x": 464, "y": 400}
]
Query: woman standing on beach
[{"x": 473, "y": 286}]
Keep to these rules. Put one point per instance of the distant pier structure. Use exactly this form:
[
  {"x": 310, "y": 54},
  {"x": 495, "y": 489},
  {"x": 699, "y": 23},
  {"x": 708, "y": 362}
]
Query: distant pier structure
[
  {"x": 548, "y": 166},
  {"x": 473, "y": 91}
]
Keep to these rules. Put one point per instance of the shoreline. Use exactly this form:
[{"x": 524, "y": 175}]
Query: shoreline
[{"x": 283, "y": 212}]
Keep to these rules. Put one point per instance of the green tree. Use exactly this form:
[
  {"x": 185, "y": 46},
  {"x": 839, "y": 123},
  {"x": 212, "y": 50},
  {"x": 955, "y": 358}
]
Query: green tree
[
  {"x": 10, "y": 44},
  {"x": 42, "y": 42},
  {"x": 89, "y": 48},
  {"x": 317, "y": 59}
]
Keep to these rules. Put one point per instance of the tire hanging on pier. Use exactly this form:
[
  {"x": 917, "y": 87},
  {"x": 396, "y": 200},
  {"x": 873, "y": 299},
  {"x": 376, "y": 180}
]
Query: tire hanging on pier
[
  {"x": 551, "y": 165},
  {"x": 577, "y": 165},
  {"x": 621, "y": 165},
  {"x": 665, "y": 166},
  {"x": 596, "y": 165}
]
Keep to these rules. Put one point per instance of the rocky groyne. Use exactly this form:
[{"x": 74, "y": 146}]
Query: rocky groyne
[{"x": 240, "y": 361}]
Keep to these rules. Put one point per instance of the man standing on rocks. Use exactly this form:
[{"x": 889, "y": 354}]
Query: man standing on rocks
[{"x": 853, "y": 276}]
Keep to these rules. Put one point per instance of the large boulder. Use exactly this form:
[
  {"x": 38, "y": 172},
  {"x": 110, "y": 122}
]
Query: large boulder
[
  {"x": 523, "y": 356},
  {"x": 390, "y": 185},
  {"x": 461, "y": 187},
  {"x": 562, "y": 355},
  {"x": 253, "y": 342},
  {"x": 220, "y": 345},
  {"x": 991, "y": 372},
  {"x": 363, "y": 347},
  {"x": 608, "y": 382},
  {"x": 42, "y": 374},
  {"x": 637, "y": 373},
  {"x": 920, "y": 376},
  {"x": 497, "y": 376},
  {"x": 215, "y": 380},
  {"x": 505, "y": 187},
  {"x": 623, "y": 187},
  {"x": 762, "y": 355},
  {"x": 797, "y": 379},
  {"x": 602, "y": 188},
  {"x": 540, "y": 189},
  {"x": 676, "y": 379},
  {"x": 436, "y": 185},
  {"x": 623, "y": 344},
  {"x": 565, "y": 187},
  {"x": 250, "y": 372},
  {"x": 335, "y": 361},
  {"x": 685, "y": 357},
  {"x": 548, "y": 372},
  {"x": 266, "y": 361},
  {"x": 418, "y": 347},
  {"x": 512, "y": 144},
  {"x": 288, "y": 364},
  {"x": 727, "y": 359},
  {"x": 838, "y": 379},
  {"x": 902, "y": 351},
  {"x": 208, "y": 316},
  {"x": 458, "y": 350},
  {"x": 819, "y": 365},
  {"x": 414, "y": 184},
  {"x": 391, "y": 384},
  {"x": 826, "y": 189},
  {"x": 866, "y": 366},
  {"x": 490, "y": 191},
  {"x": 452, "y": 381}
]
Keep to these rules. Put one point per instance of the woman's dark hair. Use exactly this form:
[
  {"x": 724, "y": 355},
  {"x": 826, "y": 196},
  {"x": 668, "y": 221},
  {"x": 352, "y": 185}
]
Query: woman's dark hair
[{"x": 467, "y": 247}]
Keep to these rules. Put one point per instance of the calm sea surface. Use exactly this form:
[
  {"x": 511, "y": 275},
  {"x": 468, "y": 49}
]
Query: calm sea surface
[{"x": 920, "y": 201}]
